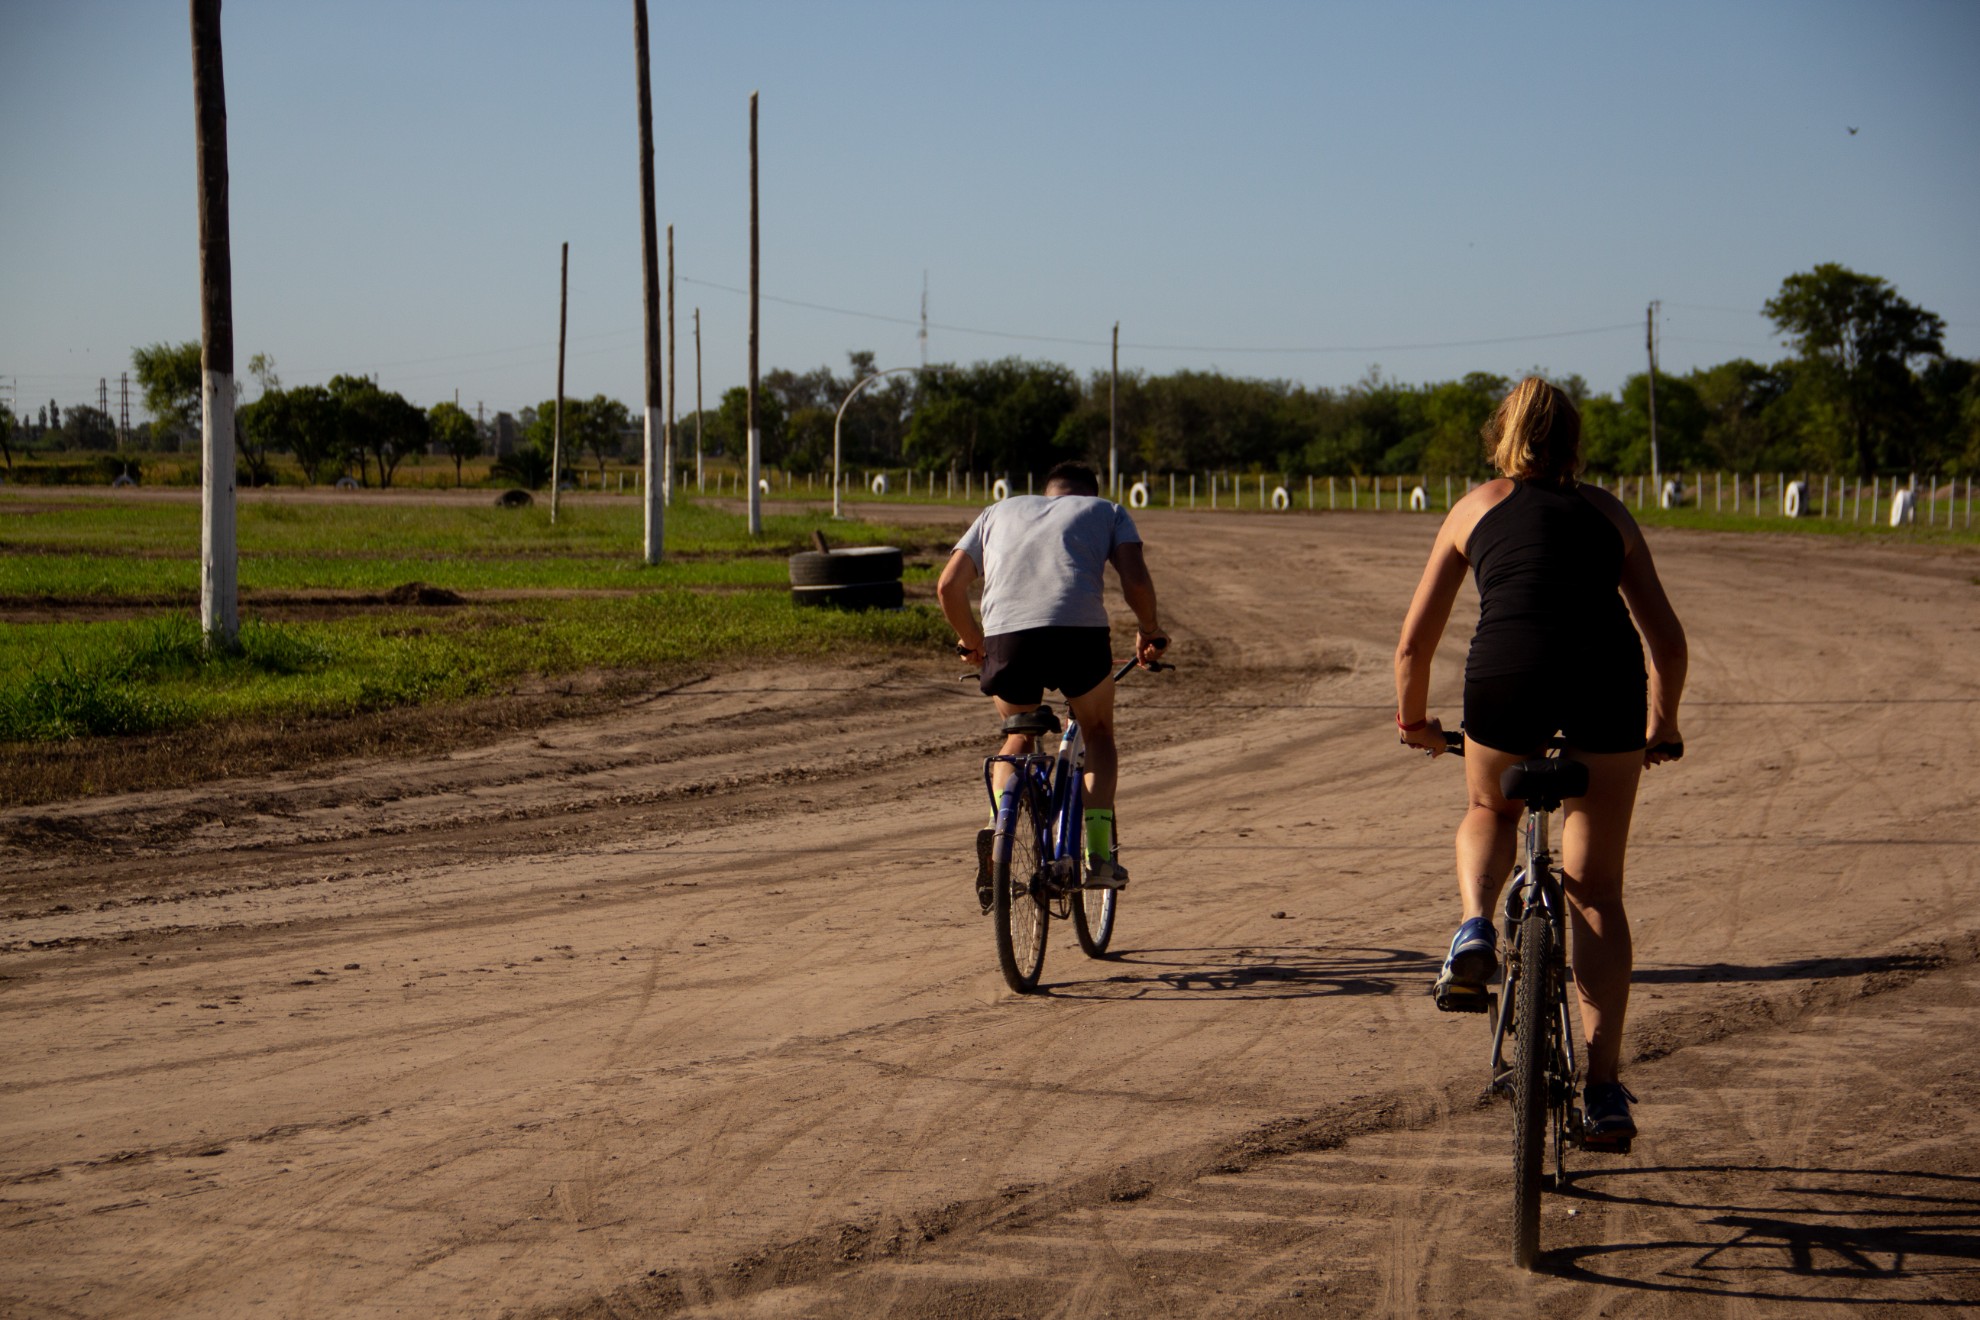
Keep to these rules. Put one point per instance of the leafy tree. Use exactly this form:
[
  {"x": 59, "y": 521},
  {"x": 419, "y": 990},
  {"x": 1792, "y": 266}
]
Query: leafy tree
[
  {"x": 1856, "y": 340},
  {"x": 376, "y": 423},
  {"x": 170, "y": 375},
  {"x": 528, "y": 465},
  {"x": 455, "y": 432},
  {"x": 728, "y": 425},
  {"x": 1455, "y": 415},
  {"x": 1615, "y": 434},
  {"x": 89, "y": 428},
  {"x": 305, "y": 421}
]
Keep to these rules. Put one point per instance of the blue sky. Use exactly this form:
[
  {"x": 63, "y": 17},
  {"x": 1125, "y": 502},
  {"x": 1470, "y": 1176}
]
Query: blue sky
[{"x": 1291, "y": 190}]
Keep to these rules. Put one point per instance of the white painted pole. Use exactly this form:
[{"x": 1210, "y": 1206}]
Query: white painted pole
[
  {"x": 1330, "y": 494},
  {"x": 219, "y": 597},
  {"x": 1192, "y": 490}
]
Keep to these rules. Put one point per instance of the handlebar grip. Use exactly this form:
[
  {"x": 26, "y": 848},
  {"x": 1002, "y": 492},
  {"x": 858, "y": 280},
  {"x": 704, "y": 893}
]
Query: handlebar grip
[
  {"x": 1674, "y": 750},
  {"x": 1454, "y": 743}
]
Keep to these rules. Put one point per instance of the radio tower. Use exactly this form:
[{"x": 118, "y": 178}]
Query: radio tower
[
  {"x": 124, "y": 414},
  {"x": 924, "y": 320}
]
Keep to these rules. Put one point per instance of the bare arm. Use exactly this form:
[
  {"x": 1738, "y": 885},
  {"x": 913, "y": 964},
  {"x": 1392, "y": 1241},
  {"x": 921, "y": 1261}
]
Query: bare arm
[
  {"x": 1423, "y": 628},
  {"x": 1663, "y": 637},
  {"x": 1139, "y": 588},
  {"x": 952, "y": 590}
]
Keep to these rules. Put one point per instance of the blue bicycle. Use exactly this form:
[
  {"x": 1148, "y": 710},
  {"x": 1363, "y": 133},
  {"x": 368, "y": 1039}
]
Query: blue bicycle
[{"x": 1038, "y": 852}]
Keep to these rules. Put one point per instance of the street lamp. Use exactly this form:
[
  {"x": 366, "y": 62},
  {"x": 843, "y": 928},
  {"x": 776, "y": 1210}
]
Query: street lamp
[{"x": 890, "y": 371}]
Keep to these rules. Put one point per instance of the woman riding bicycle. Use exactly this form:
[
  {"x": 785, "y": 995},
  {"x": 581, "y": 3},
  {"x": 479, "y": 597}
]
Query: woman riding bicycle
[{"x": 1554, "y": 652}]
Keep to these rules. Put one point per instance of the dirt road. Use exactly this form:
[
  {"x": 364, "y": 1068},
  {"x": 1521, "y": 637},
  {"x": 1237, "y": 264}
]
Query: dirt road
[{"x": 689, "y": 1011}]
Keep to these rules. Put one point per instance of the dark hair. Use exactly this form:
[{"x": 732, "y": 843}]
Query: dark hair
[{"x": 1077, "y": 478}]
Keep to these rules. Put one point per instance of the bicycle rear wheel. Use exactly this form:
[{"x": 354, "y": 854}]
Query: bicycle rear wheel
[
  {"x": 1093, "y": 918},
  {"x": 1019, "y": 902},
  {"x": 1532, "y": 1094}
]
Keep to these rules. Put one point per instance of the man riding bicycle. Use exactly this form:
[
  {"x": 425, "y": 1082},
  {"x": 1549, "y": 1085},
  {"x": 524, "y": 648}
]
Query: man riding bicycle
[{"x": 1043, "y": 562}]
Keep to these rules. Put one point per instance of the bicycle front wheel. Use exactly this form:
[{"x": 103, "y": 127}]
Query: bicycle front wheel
[
  {"x": 1531, "y": 1093},
  {"x": 1019, "y": 903}
]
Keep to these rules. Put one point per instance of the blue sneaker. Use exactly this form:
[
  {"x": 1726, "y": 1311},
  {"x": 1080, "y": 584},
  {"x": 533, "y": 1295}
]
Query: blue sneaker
[{"x": 1471, "y": 966}]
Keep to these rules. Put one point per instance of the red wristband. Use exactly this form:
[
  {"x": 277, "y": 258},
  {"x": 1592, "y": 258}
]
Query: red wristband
[{"x": 1411, "y": 728}]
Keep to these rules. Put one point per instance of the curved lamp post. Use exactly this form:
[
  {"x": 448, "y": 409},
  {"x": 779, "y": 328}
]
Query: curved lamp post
[{"x": 890, "y": 371}]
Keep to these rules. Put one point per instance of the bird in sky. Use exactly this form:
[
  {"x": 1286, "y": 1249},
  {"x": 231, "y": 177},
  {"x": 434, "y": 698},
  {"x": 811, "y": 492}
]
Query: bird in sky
[{"x": 1852, "y": 132}]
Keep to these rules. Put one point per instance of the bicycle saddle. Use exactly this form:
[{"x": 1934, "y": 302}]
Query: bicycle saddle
[
  {"x": 1550, "y": 780},
  {"x": 1031, "y": 723}
]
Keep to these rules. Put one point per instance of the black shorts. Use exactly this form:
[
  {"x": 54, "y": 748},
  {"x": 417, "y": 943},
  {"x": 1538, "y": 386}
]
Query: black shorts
[
  {"x": 1019, "y": 666},
  {"x": 1593, "y": 712}
]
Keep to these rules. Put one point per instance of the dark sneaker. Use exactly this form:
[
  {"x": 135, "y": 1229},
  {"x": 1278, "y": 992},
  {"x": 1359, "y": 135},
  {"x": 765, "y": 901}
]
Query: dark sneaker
[
  {"x": 1470, "y": 967},
  {"x": 984, "y": 893},
  {"x": 1605, "y": 1120},
  {"x": 1105, "y": 873}
]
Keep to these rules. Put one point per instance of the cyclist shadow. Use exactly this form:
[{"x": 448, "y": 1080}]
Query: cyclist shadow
[
  {"x": 1912, "y": 1236},
  {"x": 1797, "y": 969},
  {"x": 1253, "y": 972}
]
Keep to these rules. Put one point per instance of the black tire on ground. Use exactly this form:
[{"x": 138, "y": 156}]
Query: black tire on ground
[
  {"x": 840, "y": 568},
  {"x": 864, "y": 596},
  {"x": 514, "y": 499},
  {"x": 1018, "y": 905},
  {"x": 1093, "y": 918},
  {"x": 1531, "y": 1096}
]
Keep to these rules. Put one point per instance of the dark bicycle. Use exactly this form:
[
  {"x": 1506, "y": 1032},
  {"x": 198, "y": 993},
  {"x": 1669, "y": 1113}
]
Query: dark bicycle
[
  {"x": 1038, "y": 852},
  {"x": 1532, "y": 1005}
]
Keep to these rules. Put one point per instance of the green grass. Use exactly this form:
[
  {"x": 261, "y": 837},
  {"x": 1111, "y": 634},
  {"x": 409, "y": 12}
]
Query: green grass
[
  {"x": 719, "y": 598},
  {"x": 64, "y": 680}
]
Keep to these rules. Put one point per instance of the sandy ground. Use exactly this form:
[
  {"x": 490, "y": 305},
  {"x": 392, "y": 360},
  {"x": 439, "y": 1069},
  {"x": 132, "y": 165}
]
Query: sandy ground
[{"x": 688, "y": 1010}]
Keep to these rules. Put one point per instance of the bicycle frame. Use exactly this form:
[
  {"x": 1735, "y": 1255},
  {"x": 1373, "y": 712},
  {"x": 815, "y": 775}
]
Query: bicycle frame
[{"x": 1055, "y": 782}]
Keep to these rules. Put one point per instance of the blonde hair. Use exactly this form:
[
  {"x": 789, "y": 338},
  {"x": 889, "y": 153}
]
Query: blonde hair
[{"x": 1535, "y": 435}]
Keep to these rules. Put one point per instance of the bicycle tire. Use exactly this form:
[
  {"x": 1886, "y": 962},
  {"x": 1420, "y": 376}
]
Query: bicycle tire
[
  {"x": 1019, "y": 903},
  {"x": 1093, "y": 919},
  {"x": 1532, "y": 1093}
]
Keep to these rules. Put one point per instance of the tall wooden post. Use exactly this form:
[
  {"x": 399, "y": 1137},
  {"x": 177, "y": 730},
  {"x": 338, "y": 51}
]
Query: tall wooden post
[
  {"x": 673, "y": 398},
  {"x": 1113, "y": 395},
  {"x": 654, "y": 456},
  {"x": 755, "y": 437},
  {"x": 557, "y": 418},
  {"x": 1650, "y": 343},
  {"x": 219, "y": 599},
  {"x": 698, "y": 483}
]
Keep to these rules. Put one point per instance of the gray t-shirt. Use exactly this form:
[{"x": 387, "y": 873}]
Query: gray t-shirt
[{"x": 1044, "y": 560}]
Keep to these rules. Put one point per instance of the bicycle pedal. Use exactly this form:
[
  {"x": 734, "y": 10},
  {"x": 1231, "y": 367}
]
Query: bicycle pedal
[
  {"x": 1457, "y": 997},
  {"x": 1615, "y": 1146}
]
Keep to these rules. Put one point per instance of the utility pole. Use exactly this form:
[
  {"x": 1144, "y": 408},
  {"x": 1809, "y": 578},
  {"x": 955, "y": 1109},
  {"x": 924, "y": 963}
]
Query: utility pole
[
  {"x": 673, "y": 399},
  {"x": 924, "y": 320},
  {"x": 755, "y": 437},
  {"x": 698, "y": 483},
  {"x": 124, "y": 414},
  {"x": 219, "y": 566},
  {"x": 557, "y": 417},
  {"x": 1113, "y": 391},
  {"x": 1650, "y": 343},
  {"x": 103, "y": 395},
  {"x": 656, "y": 509}
]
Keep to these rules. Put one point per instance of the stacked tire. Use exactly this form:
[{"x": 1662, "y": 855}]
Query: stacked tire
[{"x": 866, "y": 577}]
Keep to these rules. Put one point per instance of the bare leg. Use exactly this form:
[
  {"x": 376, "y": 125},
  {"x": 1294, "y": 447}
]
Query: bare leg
[
  {"x": 1016, "y": 744},
  {"x": 1489, "y": 834},
  {"x": 1594, "y": 837},
  {"x": 1095, "y": 712}
]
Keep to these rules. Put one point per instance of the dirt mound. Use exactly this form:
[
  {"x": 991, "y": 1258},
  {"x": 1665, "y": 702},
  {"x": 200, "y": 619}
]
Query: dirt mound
[{"x": 421, "y": 593}]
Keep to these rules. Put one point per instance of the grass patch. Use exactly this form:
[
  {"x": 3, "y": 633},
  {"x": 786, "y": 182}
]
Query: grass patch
[{"x": 70, "y": 680}]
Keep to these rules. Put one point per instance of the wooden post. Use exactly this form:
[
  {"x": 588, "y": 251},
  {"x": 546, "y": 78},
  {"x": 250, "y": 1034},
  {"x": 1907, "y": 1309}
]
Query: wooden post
[
  {"x": 658, "y": 478},
  {"x": 1113, "y": 392},
  {"x": 755, "y": 299},
  {"x": 219, "y": 565},
  {"x": 700, "y": 483},
  {"x": 557, "y": 419},
  {"x": 673, "y": 399}
]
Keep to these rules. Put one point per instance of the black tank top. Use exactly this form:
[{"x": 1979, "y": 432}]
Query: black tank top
[{"x": 1548, "y": 563}]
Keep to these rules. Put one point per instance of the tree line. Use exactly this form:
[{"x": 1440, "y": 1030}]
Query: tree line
[{"x": 1867, "y": 389}]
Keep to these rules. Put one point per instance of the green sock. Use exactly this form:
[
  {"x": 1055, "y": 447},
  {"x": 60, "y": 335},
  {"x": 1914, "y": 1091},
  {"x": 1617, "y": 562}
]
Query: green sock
[{"x": 1099, "y": 833}]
